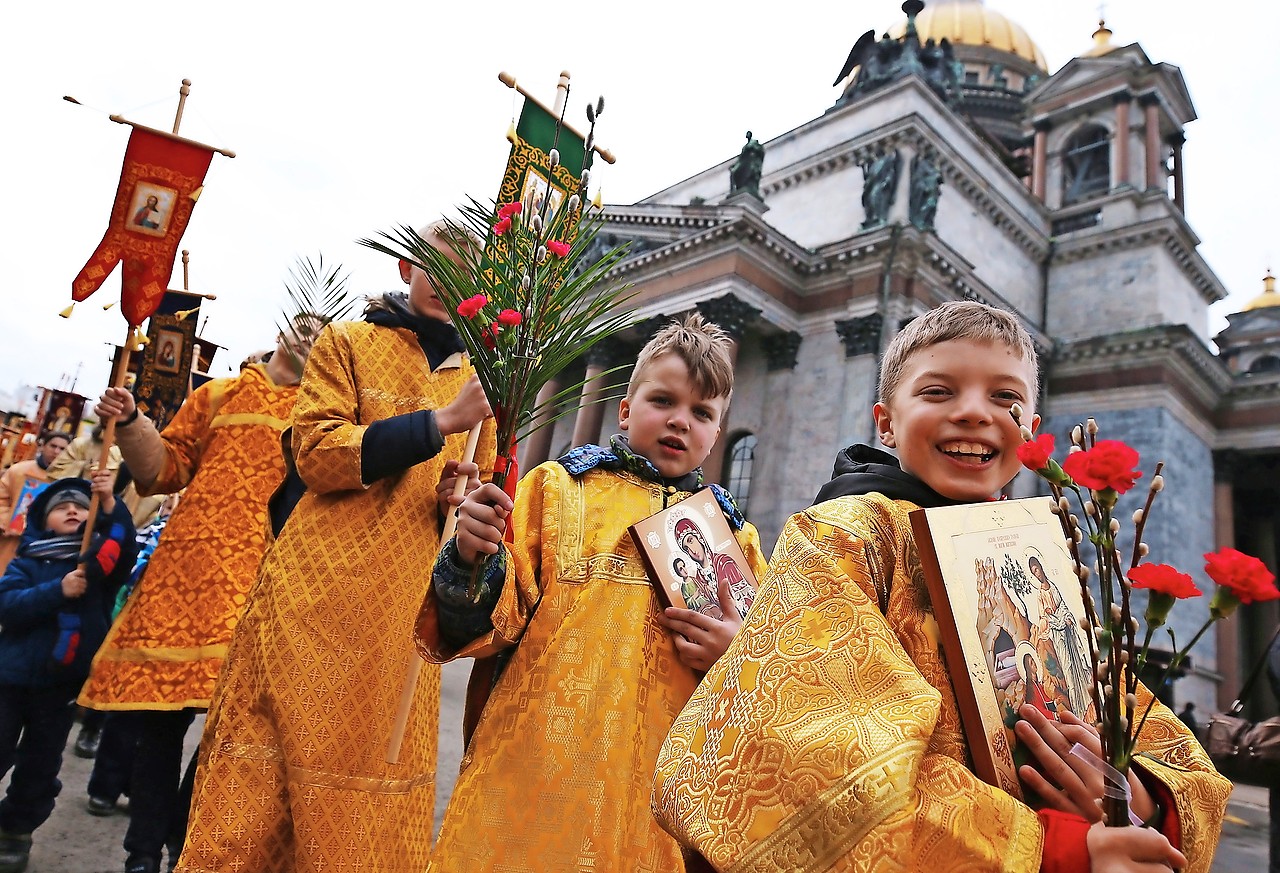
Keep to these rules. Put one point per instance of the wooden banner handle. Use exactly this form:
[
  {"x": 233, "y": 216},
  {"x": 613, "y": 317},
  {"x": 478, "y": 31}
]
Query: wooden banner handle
[
  {"x": 414, "y": 667},
  {"x": 108, "y": 440}
]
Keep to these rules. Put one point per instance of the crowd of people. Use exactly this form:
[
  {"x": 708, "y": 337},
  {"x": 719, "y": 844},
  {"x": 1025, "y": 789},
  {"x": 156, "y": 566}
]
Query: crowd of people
[{"x": 304, "y": 565}]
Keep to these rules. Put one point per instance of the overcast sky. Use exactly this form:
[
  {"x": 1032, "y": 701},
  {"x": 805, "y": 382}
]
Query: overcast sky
[{"x": 349, "y": 119}]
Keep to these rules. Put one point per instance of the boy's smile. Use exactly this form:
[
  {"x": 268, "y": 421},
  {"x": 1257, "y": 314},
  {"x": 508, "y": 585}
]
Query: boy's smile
[
  {"x": 949, "y": 417},
  {"x": 668, "y": 421}
]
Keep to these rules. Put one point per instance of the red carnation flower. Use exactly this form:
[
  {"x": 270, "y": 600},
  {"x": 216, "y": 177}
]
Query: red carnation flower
[
  {"x": 502, "y": 226},
  {"x": 1246, "y": 577},
  {"x": 505, "y": 212},
  {"x": 1163, "y": 579},
  {"x": 557, "y": 248},
  {"x": 471, "y": 307},
  {"x": 489, "y": 336},
  {"x": 1109, "y": 464},
  {"x": 1035, "y": 454},
  {"x": 510, "y": 317}
]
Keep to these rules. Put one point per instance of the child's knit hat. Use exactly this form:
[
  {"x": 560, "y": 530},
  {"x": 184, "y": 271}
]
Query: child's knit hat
[{"x": 66, "y": 491}]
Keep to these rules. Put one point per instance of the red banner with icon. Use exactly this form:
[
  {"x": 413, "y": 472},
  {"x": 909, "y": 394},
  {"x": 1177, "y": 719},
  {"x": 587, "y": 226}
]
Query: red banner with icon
[{"x": 159, "y": 184}]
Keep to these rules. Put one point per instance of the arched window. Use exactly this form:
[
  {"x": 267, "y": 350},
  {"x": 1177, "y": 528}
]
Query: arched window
[
  {"x": 1086, "y": 165},
  {"x": 742, "y": 454},
  {"x": 1264, "y": 364}
]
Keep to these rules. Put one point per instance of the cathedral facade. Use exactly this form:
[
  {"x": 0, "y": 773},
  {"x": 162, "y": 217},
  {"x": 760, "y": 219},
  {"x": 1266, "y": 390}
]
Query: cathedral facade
[{"x": 955, "y": 165}]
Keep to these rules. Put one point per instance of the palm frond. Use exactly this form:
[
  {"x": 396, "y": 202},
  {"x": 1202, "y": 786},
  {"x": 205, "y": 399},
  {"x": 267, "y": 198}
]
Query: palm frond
[{"x": 316, "y": 296}]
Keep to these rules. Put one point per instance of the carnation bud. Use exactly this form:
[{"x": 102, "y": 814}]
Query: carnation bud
[
  {"x": 1157, "y": 484},
  {"x": 1091, "y": 425},
  {"x": 1143, "y": 550},
  {"x": 1025, "y": 433},
  {"x": 1077, "y": 435},
  {"x": 1138, "y": 515},
  {"x": 554, "y": 158},
  {"x": 1016, "y": 411}
]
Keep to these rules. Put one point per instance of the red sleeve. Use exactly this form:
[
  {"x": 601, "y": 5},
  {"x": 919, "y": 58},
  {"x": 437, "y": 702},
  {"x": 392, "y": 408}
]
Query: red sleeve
[
  {"x": 1161, "y": 794},
  {"x": 1066, "y": 849}
]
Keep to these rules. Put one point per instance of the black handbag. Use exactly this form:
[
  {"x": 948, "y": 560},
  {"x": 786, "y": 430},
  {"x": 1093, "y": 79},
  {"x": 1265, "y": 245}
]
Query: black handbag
[{"x": 1242, "y": 750}]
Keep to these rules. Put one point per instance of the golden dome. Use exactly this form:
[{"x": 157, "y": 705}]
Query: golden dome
[
  {"x": 970, "y": 22},
  {"x": 1268, "y": 297}
]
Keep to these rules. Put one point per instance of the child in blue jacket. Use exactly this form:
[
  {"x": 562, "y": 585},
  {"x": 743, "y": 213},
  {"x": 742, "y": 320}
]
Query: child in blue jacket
[{"x": 53, "y": 616}]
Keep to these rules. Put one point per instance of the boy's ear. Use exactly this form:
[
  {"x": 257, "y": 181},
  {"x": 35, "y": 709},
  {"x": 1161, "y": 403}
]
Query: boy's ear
[
  {"x": 624, "y": 413},
  {"x": 884, "y": 425}
]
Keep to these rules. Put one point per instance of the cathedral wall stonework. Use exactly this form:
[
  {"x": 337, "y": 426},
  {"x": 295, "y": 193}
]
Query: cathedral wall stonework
[
  {"x": 997, "y": 260},
  {"x": 1180, "y": 529}
]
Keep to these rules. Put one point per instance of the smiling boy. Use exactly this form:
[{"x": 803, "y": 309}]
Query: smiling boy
[
  {"x": 828, "y": 736},
  {"x": 557, "y": 773}
]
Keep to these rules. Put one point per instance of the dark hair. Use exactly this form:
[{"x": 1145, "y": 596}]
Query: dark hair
[{"x": 47, "y": 435}]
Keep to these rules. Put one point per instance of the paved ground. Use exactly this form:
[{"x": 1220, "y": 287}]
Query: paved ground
[{"x": 75, "y": 842}]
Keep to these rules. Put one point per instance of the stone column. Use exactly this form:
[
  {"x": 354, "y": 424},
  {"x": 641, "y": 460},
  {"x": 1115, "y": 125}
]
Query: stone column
[
  {"x": 1122, "y": 140},
  {"x": 735, "y": 316},
  {"x": 1175, "y": 142},
  {"x": 1039, "y": 157},
  {"x": 860, "y": 337},
  {"x": 772, "y": 498},
  {"x": 537, "y": 448},
  {"x": 1155, "y": 155},
  {"x": 601, "y": 358},
  {"x": 1225, "y": 464}
]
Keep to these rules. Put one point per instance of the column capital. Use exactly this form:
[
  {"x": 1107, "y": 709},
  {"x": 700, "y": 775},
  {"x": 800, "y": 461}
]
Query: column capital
[
  {"x": 1044, "y": 125},
  {"x": 1149, "y": 99},
  {"x": 731, "y": 313},
  {"x": 1226, "y": 464},
  {"x": 781, "y": 350},
  {"x": 861, "y": 336},
  {"x": 1122, "y": 97}
]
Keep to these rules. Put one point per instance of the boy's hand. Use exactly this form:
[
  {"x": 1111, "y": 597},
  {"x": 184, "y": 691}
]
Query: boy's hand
[
  {"x": 103, "y": 481},
  {"x": 74, "y": 584},
  {"x": 1140, "y": 850},
  {"x": 1065, "y": 781},
  {"x": 115, "y": 402},
  {"x": 482, "y": 519},
  {"x": 701, "y": 639},
  {"x": 445, "y": 498},
  {"x": 467, "y": 410}
]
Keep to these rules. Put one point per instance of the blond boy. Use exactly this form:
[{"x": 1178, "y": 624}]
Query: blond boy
[
  {"x": 556, "y": 776},
  {"x": 828, "y": 736}
]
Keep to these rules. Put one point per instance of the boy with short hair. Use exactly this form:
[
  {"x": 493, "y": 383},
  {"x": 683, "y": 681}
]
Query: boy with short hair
[
  {"x": 53, "y": 616},
  {"x": 828, "y": 737},
  {"x": 556, "y": 775}
]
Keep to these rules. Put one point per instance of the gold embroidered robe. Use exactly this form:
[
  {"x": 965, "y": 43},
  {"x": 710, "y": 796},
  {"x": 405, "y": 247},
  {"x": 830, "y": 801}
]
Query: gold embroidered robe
[
  {"x": 557, "y": 774},
  {"x": 292, "y": 772},
  {"x": 165, "y": 650},
  {"x": 827, "y": 737}
]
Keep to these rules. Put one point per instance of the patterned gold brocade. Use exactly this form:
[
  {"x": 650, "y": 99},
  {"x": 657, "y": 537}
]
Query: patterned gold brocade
[
  {"x": 557, "y": 774},
  {"x": 827, "y": 737},
  {"x": 167, "y": 647},
  {"x": 292, "y": 775}
]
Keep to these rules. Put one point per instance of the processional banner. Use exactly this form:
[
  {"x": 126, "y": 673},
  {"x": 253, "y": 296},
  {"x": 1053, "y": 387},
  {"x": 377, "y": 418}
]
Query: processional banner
[{"x": 159, "y": 184}]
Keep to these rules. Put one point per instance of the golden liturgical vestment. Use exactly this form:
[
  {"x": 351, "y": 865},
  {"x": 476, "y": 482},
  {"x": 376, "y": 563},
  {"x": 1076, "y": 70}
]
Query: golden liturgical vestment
[
  {"x": 557, "y": 774},
  {"x": 827, "y": 736},
  {"x": 292, "y": 772},
  {"x": 166, "y": 649}
]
